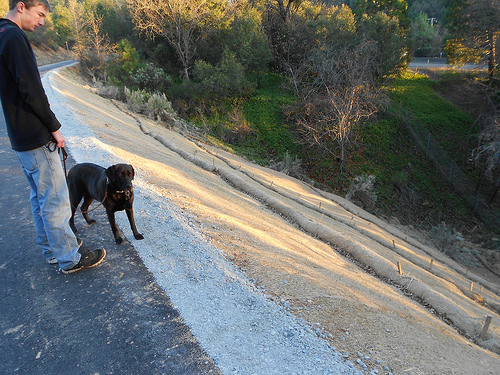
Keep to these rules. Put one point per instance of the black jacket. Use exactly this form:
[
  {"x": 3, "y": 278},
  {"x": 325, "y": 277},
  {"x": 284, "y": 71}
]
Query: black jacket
[{"x": 26, "y": 108}]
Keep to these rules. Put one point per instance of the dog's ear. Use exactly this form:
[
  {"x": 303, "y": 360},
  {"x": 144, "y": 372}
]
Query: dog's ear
[
  {"x": 109, "y": 173},
  {"x": 133, "y": 171}
]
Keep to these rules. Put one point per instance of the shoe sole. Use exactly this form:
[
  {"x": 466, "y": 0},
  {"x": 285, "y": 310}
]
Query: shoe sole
[{"x": 73, "y": 270}]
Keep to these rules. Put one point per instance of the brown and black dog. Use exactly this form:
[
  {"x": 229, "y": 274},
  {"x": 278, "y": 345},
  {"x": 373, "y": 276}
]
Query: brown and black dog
[{"x": 112, "y": 187}]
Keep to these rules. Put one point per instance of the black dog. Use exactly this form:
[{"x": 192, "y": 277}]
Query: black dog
[{"x": 112, "y": 187}]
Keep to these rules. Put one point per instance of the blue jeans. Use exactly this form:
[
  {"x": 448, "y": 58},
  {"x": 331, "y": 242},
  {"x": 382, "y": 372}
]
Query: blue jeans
[{"x": 50, "y": 205}]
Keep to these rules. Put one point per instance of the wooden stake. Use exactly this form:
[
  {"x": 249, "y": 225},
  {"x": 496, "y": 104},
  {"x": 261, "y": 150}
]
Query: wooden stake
[
  {"x": 485, "y": 327},
  {"x": 471, "y": 286},
  {"x": 393, "y": 244},
  {"x": 400, "y": 269},
  {"x": 432, "y": 262}
]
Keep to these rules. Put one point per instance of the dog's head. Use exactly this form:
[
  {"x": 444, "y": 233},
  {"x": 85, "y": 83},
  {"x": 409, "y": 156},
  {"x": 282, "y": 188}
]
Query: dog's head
[{"x": 120, "y": 177}]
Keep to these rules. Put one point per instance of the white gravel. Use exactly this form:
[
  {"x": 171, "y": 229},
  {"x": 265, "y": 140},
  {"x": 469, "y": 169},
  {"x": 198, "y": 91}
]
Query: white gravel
[{"x": 241, "y": 329}]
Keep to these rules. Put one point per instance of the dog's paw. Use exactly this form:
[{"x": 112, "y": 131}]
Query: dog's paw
[
  {"x": 138, "y": 236},
  {"x": 118, "y": 240},
  {"x": 91, "y": 221}
]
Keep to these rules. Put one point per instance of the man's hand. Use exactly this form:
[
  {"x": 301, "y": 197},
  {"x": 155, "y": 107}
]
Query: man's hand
[{"x": 58, "y": 137}]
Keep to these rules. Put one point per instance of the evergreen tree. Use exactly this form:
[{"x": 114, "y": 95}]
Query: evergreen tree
[
  {"x": 372, "y": 14},
  {"x": 474, "y": 27}
]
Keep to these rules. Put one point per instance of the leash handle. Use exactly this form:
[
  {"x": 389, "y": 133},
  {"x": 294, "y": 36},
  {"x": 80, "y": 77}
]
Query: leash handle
[{"x": 62, "y": 151}]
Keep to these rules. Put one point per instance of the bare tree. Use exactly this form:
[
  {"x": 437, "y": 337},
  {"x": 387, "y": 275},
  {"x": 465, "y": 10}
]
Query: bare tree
[
  {"x": 181, "y": 22},
  {"x": 96, "y": 40},
  {"x": 76, "y": 10},
  {"x": 343, "y": 91}
]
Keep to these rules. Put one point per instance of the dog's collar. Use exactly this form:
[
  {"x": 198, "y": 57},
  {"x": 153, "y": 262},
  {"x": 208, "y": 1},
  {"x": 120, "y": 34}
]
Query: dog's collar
[{"x": 110, "y": 184}]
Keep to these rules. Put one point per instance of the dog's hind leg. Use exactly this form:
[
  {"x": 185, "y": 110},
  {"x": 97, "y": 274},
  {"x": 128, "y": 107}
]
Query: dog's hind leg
[{"x": 74, "y": 197}]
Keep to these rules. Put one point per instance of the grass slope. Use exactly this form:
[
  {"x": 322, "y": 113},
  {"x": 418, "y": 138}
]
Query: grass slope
[{"x": 407, "y": 185}]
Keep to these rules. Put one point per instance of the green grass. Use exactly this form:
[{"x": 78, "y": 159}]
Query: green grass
[
  {"x": 451, "y": 127},
  {"x": 403, "y": 172},
  {"x": 270, "y": 137},
  {"x": 264, "y": 111}
]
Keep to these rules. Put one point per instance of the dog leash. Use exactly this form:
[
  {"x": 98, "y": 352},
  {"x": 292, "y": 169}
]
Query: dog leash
[{"x": 93, "y": 209}]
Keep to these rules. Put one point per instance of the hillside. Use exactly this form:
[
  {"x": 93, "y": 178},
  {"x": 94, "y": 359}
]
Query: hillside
[{"x": 317, "y": 255}]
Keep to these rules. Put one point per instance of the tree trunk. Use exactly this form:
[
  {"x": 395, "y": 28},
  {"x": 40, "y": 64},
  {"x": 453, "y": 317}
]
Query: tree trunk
[{"x": 492, "y": 55}]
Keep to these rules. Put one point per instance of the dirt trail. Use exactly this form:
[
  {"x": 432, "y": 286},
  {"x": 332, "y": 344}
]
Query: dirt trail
[{"x": 324, "y": 259}]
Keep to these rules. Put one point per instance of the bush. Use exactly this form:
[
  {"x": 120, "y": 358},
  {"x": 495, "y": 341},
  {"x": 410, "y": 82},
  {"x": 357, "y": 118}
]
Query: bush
[
  {"x": 155, "y": 106},
  {"x": 136, "y": 100},
  {"x": 289, "y": 165},
  {"x": 238, "y": 128},
  {"x": 226, "y": 79},
  {"x": 158, "y": 107},
  {"x": 362, "y": 191},
  {"x": 446, "y": 238},
  {"x": 151, "y": 78}
]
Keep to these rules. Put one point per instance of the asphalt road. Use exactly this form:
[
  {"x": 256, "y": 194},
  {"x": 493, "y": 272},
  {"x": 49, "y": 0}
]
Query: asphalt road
[
  {"x": 433, "y": 62},
  {"x": 113, "y": 319}
]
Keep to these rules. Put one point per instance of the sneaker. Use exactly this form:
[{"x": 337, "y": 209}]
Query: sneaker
[
  {"x": 89, "y": 259},
  {"x": 54, "y": 260}
]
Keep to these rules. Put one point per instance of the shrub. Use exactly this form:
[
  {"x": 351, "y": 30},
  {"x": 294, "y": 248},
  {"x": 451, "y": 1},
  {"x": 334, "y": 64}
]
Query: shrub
[
  {"x": 158, "y": 107},
  {"x": 136, "y": 100},
  {"x": 226, "y": 79},
  {"x": 155, "y": 105},
  {"x": 151, "y": 78},
  {"x": 289, "y": 165},
  {"x": 238, "y": 128},
  {"x": 362, "y": 191},
  {"x": 109, "y": 91},
  {"x": 445, "y": 238}
]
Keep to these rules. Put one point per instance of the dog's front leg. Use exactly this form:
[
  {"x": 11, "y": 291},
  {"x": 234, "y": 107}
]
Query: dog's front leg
[
  {"x": 114, "y": 227},
  {"x": 131, "y": 220}
]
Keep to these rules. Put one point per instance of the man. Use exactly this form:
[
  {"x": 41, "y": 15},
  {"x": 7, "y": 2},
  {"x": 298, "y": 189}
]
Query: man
[{"x": 35, "y": 136}]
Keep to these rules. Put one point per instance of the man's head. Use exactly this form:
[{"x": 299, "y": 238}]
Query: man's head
[
  {"x": 30, "y": 3},
  {"x": 28, "y": 14}
]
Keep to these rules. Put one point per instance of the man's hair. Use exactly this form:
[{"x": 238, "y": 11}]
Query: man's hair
[{"x": 30, "y": 3}]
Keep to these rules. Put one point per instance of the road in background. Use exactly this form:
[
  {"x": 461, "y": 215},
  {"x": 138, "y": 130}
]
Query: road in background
[{"x": 433, "y": 62}]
